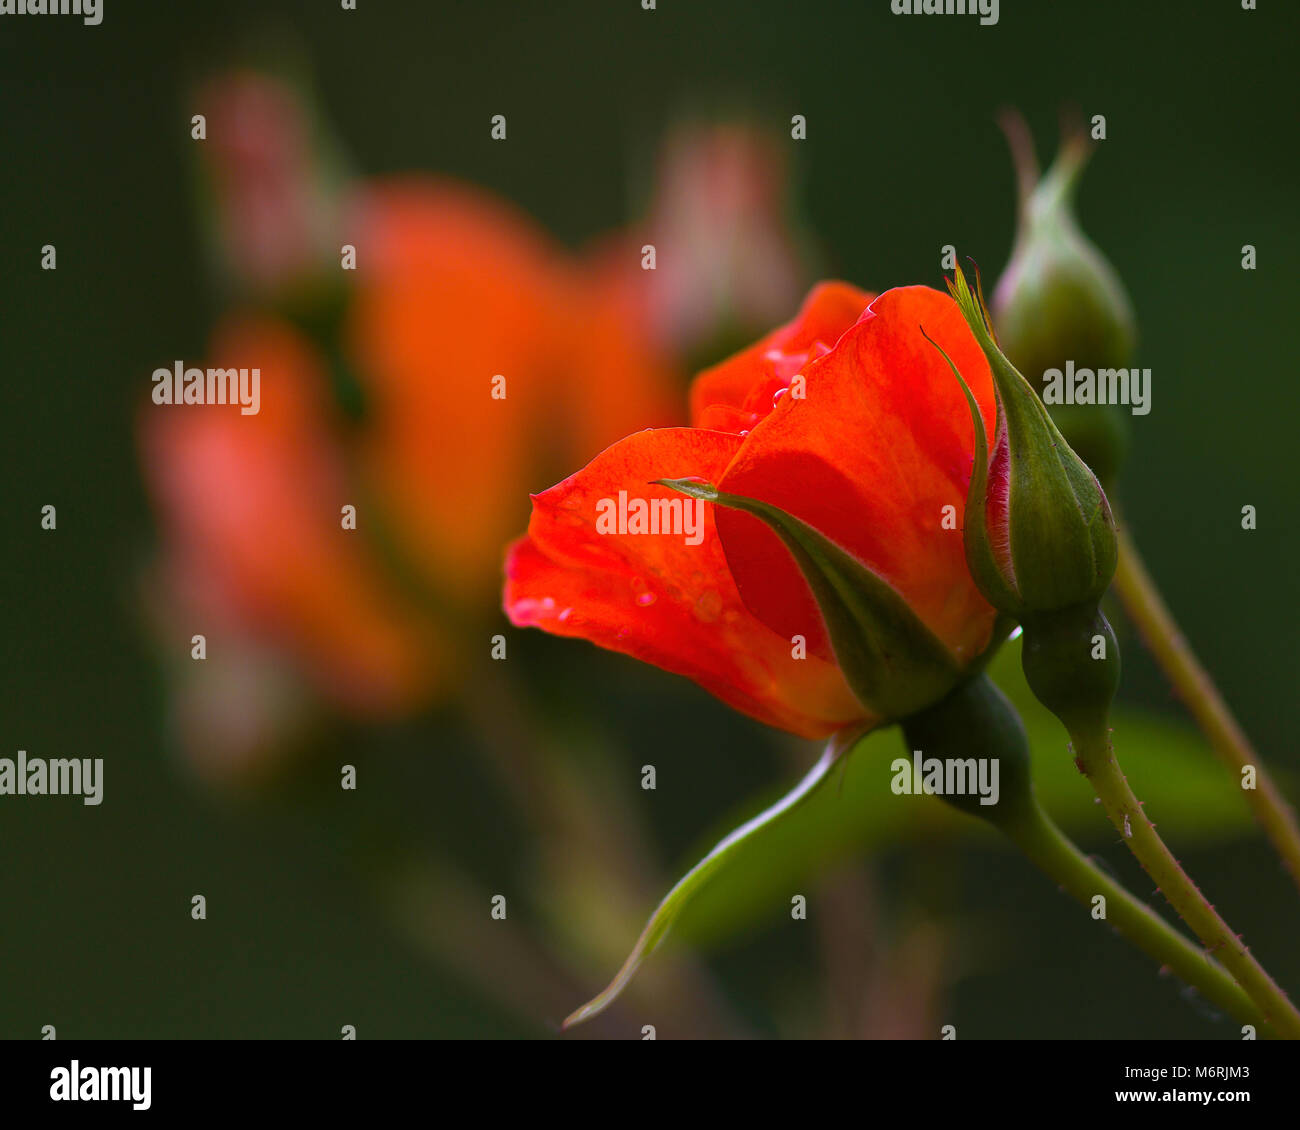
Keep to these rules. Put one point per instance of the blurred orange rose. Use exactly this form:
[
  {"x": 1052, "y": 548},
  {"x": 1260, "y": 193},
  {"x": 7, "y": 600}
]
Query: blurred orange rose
[{"x": 484, "y": 356}]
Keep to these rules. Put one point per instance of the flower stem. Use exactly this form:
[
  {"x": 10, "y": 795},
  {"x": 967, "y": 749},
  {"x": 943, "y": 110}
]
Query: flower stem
[
  {"x": 1096, "y": 760},
  {"x": 1143, "y": 603},
  {"x": 977, "y": 720},
  {"x": 1051, "y": 851}
]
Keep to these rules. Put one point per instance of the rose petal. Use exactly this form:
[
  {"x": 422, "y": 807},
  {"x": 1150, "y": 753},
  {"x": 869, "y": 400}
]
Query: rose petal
[
  {"x": 881, "y": 445},
  {"x": 830, "y": 309},
  {"x": 659, "y": 599}
]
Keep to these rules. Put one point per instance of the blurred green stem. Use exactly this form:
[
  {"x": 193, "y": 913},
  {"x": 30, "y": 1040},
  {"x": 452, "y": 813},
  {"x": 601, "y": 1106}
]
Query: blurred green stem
[
  {"x": 1048, "y": 849},
  {"x": 586, "y": 814},
  {"x": 493, "y": 704},
  {"x": 443, "y": 913},
  {"x": 1191, "y": 682}
]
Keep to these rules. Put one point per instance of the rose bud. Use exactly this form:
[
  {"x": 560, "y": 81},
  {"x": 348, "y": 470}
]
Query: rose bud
[
  {"x": 731, "y": 258},
  {"x": 1039, "y": 532},
  {"x": 829, "y": 588},
  {"x": 271, "y": 181},
  {"x": 1059, "y": 299},
  {"x": 718, "y": 256}
]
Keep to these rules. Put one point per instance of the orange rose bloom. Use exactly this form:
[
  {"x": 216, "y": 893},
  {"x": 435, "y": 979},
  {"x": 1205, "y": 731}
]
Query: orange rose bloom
[{"x": 846, "y": 418}]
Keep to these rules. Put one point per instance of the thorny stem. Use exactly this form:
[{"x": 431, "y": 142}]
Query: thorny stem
[
  {"x": 1096, "y": 760},
  {"x": 1191, "y": 682},
  {"x": 1051, "y": 851}
]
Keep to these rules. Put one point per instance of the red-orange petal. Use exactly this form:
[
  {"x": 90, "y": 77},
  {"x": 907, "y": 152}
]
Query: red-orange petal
[
  {"x": 659, "y": 599},
  {"x": 881, "y": 444},
  {"x": 722, "y": 396}
]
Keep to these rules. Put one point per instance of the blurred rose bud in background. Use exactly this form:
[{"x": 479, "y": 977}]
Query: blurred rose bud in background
[
  {"x": 729, "y": 256},
  {"x": 730, "y": 259},
  {"x": 269, "y": 180}
]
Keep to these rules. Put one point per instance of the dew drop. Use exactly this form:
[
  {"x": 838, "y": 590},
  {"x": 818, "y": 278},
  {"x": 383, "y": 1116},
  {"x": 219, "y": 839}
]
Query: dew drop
[{"x": 708, "y": 606}]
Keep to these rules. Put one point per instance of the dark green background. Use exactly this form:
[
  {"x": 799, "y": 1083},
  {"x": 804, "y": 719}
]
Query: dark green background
[{"x": 902, "y": 156}]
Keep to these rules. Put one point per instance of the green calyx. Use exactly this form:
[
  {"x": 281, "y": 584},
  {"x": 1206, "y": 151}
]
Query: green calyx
[
  {"x": 892, "y": 662},
  {"x": 976, "y": 721},
  {"x": 1039, "y": 534},
  {"x": 1072, "y": 664}
]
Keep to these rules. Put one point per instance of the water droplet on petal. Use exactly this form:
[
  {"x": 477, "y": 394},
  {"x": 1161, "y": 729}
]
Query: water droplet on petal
[
  {"x": 646, "y": 599},
  {"x": 708, "y": 606}
]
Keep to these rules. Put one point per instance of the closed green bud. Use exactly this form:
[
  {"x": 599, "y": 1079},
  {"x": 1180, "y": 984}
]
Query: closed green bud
[
  {"x": 1059, "y": 300},
  {"x": 1039, "y": 534}
]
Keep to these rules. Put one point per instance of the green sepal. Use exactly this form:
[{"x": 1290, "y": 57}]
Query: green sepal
[
  {"x": 997, "y": 588},
  {"x": 892, "y": 662}
]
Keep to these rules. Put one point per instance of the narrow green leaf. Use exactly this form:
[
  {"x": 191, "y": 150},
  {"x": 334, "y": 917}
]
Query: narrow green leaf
[{"x": 667, "y": 912}]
